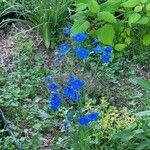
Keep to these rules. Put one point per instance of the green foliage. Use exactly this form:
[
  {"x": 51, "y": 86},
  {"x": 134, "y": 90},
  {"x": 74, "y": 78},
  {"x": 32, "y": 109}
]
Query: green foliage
[
  {"x": 114, "y": 22},
  {"x": 98, "y": 136},
  {"x": 48, "y": 17},
  {"x": 22, "y": 96}
]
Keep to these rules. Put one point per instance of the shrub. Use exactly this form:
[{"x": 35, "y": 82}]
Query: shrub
[{"x": 114, "y": 22}]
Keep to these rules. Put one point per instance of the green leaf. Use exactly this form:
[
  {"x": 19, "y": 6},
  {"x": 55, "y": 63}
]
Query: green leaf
[
  {"x": 143, "y": 20},
  {"x": 111, "y": 5},
  {"x": 93, "y": 6},
  {"x": 131, "y": 3},
  {"x": 138, "y": 8},
  {"x": 80, "y": 26},
  {"x": 146, "y": 39},
  {"x": 81, "y": 6},
  {"x": 133, "y": 18},
  {"x": 144, "y": 83},
  {"x": 120, "y": 47},
  {"x": 107, "y": 17},
  {"x": 106, "y": 34},
  {"x": 46, "y": 35}
]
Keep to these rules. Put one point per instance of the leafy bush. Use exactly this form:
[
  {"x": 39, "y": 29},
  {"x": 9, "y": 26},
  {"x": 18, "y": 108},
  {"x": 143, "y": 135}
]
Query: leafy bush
[{"x": 114, "y": 22}]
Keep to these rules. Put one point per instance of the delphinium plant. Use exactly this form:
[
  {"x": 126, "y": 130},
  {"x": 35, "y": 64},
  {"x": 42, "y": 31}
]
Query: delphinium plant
[{"x": 69, "y": 93}]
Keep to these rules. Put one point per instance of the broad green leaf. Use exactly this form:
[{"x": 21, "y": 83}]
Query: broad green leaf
[
  {"x": 143, "y": 20},
  {"x": 111, "y": 5},
  {"x": 106, "y": 34},
  {"x": 146, "y": 39},
  {"x": 81, "y": 6},
  {"x": 138, "y": 8},
  {"x": 107, "y": 17},
  {"x": 120, "y": 47},
  {"x": 93, "y": 6},
  {"x": 144, "y": 83},
  {"x": 80, "y": 26},
  {"x": 143, "y": 1},
  {"x": 131, "y": 3},
  {"x": 133, "y": 18}
]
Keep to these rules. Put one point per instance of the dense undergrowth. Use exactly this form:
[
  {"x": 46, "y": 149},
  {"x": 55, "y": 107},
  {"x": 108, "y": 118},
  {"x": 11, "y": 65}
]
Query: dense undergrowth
[{"x": 83, "y": 94}]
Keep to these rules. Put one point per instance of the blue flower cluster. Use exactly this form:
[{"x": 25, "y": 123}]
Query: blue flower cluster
[
  {"x": 82, "y": 52},
  {"x": 85, "y": 120},
  {"x": 70, "y": 90},
  {"x": 55, "y": 101},
  {"x": 80, "y": 37},
  {"x": 106, "y": 53}
]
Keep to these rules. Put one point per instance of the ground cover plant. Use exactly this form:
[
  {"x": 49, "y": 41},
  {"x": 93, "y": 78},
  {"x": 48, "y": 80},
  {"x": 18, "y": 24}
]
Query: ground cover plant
[{"x": 91, "y": 89}]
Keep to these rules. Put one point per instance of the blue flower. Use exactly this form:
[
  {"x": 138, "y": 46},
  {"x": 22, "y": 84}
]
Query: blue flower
[
  {"x": 69, "y": 117},
  {"x": 94, "y": 116},
  {"x": 48, "y": 79},
  {"x": 71, "y": 93},
  {"x": 65, "y": 125},
  {"x": 76, "y": 83},
  {"x": 108, "y": 50},
  {"x": 53, "y": 87},
  {"x": 83, "y": 120},
  {"x": 95, "y": 41},
  {"x": 80, "y": 37},
  {"x": 98, "y": 49},
  {"x": 55, "y": 101},
  {"x": 58, "y": 58},
  {"x": 106, "y": 58},
  {"x": 67, "y": 31},
  {"x": 64, "y": 48},
  {"x": 82, "y": 53}
]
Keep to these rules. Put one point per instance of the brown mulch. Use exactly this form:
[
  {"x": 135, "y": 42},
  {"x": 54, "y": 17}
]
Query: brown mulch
[{"x": 9, "y": 39}]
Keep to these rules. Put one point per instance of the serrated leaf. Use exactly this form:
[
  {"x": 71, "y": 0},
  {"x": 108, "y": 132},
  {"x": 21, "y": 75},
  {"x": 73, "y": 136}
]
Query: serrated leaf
[
  {"x": 82, "y": 1},
  {"x": 146, "y": 39},
  {"x": 120, "y": 47},
  {"x": 144, "y": 83},
  {"x": 80, "y": 26},
  {"x": 143, "y": 20},
  {"x": 106, "y": 34},
  {"x": 133, "y": 18},
  {"x": 131, "y": 3},
  {"x": 107, "y": 17}
]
